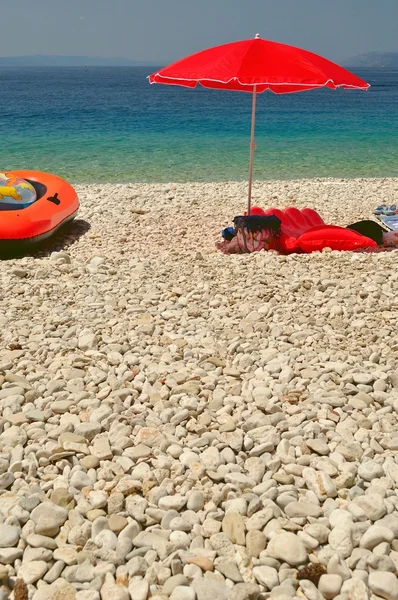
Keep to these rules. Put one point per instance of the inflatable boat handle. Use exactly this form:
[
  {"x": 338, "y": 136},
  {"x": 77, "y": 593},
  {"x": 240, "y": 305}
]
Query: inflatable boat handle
[{"x": 54, "y": 199}]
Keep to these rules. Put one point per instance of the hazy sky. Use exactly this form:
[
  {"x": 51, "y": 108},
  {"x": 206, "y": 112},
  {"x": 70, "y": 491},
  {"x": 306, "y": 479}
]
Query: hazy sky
[{"x": 165, "y": 30}]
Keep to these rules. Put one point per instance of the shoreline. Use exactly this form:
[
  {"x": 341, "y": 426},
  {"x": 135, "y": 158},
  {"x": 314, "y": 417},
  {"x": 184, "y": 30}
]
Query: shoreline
[
  {"x": 316, "y": 178},
  {"x": 175, "y": 181}
]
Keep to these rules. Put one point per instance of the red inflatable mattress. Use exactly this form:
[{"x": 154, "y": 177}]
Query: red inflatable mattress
[{"x": 305, "y": 231}]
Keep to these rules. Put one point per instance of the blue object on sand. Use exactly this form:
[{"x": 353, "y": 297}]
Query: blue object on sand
[{"x": 228, "y": 233}]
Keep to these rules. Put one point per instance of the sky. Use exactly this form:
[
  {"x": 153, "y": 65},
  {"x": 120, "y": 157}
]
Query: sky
[{"x": 161, "y": 31}]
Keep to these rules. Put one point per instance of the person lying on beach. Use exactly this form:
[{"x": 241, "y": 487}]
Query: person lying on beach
[
  {"x": 258, "y": 232},
  {"x": 251, "y": 234}
]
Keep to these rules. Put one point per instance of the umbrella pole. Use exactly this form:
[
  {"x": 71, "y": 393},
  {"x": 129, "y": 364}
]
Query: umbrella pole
[{"x": 252, "y": 148}]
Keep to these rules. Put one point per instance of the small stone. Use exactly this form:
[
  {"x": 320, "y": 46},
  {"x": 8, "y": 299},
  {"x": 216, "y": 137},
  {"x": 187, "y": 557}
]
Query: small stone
[
  {"x": 204, "y": 560},
  {"x": 256, "y": 542},
  {"x": 376, "y": 535},
  {"x": 340, "y": 540},
  {"x": 176, "y": 502},
  {"x": 370, "y": 470},
  {"x": 79, "y": 480},
  {"x": 320, "y": 483},
  {"x": 303, "y": 509},
  {"x": 259, "y": 520},
  {"x": 384, "y": 584},
  {"x": 355, "y": 589},
  {"x": 115, "y": 503},
  {"x": 245, "y": 591},
  {"x": 9, "y": 555},
  {"x": 19, "y": 272},
  {"x": 9, "y": 535},
  {"x": 90, "y": 462},
  {"x": 111, "y": 591},
  {"x": 181, "y": 593},
  {"x": 266, "y": 576},
  {"x": 173, "y": 582},
  {"x": 150, "y": 437},
  {"x": 6, "y": 480},
  {"x": 54, "y": 572},
  {"x": 32, "y": 571},
  {"x": 208, "y": 589},
  {"x": 351, "y": 451},
  {"x": 330, "y": 586},
  {"x": 101, "y": 448},
  {"x": 37, "y": 554},
  {"x": 241, "y": 480},
  {"x": 338, "y": 566},
  {"x": 318, "y": 446},
  {"x": 117, "y": 523},
  {"x": 309, "y": 590},
  {"x": 41, "y": 541},
  {"x": 88, "y": 595},
  {"x": 63, "y": 498},
  {"x": 211, "y": 458},
  {"x": 138, "y": 588},
  {"x": 48, "y": 518},
  {"x": 13, "y": 436},
  {"x": 234, "y": 527},
  {"x": 60, "y": 257},
  {"x": 210, "y": 527},
  {"x": 97, "y": 499},
  {"x": 372, "y": 504},
  {"x": 289, "y": 548},
  {"x": 195, "y": 500},
  {"x": 87, "y": 340}
]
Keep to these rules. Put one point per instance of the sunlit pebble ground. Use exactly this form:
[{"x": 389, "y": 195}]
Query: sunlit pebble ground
[{"x": 140, "y": 255}]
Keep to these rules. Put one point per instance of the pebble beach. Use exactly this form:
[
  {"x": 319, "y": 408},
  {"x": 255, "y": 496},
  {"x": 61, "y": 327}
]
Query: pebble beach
[{"x": 179, "y": 424}]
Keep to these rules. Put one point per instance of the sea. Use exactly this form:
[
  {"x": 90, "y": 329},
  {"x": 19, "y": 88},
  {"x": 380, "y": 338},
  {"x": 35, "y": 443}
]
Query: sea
[{"x": 110, "y": 125}]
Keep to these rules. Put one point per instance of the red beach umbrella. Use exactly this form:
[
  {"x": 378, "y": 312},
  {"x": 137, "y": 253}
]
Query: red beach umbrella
[{"x": 255, "y": 66}]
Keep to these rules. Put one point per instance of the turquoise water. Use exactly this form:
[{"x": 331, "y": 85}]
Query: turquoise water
[{"x": 110, "y": 125}]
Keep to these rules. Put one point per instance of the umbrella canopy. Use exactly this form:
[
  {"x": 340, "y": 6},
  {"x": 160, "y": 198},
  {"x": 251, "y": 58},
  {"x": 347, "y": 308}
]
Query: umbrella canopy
[{"x": 255, "y": 66}]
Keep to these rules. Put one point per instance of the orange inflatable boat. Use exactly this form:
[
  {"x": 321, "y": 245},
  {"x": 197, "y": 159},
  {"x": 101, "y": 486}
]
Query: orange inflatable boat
[{"x": 33, "y": 206}]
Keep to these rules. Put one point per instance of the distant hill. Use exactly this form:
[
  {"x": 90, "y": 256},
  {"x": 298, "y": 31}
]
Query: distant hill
[
  {"x": 374, "y": 60},
  {"x": 69, "y": 61}
]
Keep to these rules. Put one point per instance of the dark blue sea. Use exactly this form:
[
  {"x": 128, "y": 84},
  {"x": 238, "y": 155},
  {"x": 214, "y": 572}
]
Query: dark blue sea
[{"x": 111, "y": 125}]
